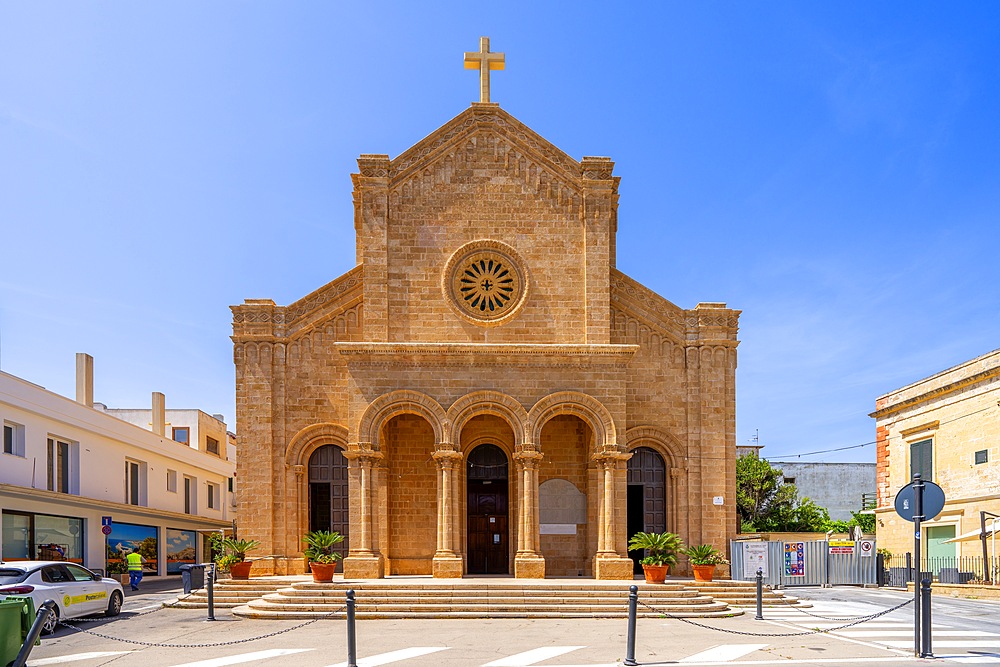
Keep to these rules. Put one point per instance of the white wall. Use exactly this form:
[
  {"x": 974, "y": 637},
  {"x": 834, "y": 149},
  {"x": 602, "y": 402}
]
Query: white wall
[{"x": 101, "y": 443}]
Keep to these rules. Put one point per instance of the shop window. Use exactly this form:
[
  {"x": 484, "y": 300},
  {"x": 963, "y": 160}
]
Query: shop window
[{"x": 29, "y": 536}]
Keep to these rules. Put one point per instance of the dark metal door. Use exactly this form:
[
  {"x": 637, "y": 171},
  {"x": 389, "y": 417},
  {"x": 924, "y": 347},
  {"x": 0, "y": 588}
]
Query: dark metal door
[{"x": 329, "y": 507}]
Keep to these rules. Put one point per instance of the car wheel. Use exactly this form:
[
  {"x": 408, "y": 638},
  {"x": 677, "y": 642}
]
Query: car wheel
[
  {"x": 114, "y": 604},
  {"x": 52, "y": 622}
]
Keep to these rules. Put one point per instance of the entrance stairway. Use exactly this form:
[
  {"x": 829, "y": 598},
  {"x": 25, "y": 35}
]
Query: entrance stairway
[
  {"x": 744, "y": 594},
  {"x": 424, "y": 597}
]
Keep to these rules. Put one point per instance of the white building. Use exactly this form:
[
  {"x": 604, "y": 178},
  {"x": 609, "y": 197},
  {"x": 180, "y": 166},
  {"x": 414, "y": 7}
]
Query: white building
[{"x": 68, "y": 467}]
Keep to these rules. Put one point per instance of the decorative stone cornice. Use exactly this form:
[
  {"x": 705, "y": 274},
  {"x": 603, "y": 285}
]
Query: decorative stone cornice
[
  {"x": 478, "y": 354},
  {"x": 483, "y": 118},
  {"x": 935, "y": 393}
]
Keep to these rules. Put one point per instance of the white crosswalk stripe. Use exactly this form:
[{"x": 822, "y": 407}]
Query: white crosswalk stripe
[
  {"x": 74, "y": 657},
  {"x": 724, "y": 653},
  {"x": 244, "y": 657},
  {"x": 531, "y": 657},
  {"x": 891, "y": 634},
  {"x": 395, "y": 656}
]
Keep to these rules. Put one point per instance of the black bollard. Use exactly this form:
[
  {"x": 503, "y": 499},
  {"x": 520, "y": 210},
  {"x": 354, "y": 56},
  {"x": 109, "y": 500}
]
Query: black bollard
[
  {"x": 633, "y": 604},
  {"x": 760, "y": 595},
  {"x": 925, "y": 619},
  {"x": 36, "y": 629},
  {"x": 211, "y": 593},
  {"x": 352, "y": 640}
]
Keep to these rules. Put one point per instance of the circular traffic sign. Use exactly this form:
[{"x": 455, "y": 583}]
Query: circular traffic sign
[
  {"x": 106, "y": 530},
  {"x": 933, "y": 501}
]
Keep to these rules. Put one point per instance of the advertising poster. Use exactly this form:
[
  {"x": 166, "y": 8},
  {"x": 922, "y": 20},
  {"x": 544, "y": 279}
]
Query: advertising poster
[
  {"x": 754, "y": 556},
  {"x": 795, "y": 559},
  {"x": 180, "y": 549},
  {"x": 141, "y": 539}
]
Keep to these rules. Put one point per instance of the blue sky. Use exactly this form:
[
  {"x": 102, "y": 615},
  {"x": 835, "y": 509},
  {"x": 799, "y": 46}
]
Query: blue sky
[{"x": 832, "y": 169}]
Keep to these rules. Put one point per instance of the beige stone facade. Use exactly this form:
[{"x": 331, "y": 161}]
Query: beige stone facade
[
  {"x": 952, "y": 421},
  {"x": 486, "y": 313}
]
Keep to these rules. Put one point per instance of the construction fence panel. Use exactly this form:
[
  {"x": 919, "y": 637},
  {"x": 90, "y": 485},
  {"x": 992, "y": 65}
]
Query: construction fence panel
[{"x": 805, "y": 563}]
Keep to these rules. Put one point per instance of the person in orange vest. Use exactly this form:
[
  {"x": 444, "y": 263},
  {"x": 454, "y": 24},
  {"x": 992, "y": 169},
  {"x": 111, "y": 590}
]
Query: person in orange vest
[{"x": 135, "y": 561}]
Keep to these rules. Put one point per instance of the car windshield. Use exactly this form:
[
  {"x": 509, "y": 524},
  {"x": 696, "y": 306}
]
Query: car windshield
[{"x": 12, "y": 576}]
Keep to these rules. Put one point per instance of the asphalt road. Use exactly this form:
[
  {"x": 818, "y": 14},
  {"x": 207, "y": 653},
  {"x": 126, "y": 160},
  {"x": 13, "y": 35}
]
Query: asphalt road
[{"x": 739, "y": 640}]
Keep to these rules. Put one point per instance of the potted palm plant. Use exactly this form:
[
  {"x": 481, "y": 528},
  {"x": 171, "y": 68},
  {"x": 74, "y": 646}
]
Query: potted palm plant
[
  {"x": 322, "y": 558},
  {"x": 239, "y": 566},
  {"x": 703, "y": 559},
  {"x": 661, "y": 552}
]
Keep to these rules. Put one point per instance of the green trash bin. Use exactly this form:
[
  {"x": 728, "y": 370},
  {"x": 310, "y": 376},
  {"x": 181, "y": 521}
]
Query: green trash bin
[
  {"x": 27, "y": 614},
  {"x": 11, "y": 635}
]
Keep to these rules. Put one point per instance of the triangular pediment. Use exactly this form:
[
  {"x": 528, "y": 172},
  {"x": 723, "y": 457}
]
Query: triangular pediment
[{"x": 511, "y": 139}]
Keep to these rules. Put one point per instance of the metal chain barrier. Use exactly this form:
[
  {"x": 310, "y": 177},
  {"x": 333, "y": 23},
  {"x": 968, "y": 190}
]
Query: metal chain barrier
[
  {"x": 778, "y": 634},
  {"x": 206, "y": 645},
  {"x": 792, "y": 605}
]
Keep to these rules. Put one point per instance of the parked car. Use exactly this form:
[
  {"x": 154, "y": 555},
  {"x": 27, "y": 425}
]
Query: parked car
[{"x": 76, "y": 590}]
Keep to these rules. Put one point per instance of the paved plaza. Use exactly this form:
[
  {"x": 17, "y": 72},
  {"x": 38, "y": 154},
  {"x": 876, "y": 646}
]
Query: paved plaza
[{"x": 965, "y": 632}]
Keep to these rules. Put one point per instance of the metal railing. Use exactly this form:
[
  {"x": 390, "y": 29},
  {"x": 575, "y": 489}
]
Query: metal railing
[{"x": 898, "y": 569}]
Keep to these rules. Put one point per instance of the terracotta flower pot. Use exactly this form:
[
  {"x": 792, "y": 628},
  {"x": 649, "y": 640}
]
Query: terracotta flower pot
[
  {"x": 655, "y": 574},
  {"x": 240, "y": 570},
  {"x": 703, "y": 572},
  {"x": 323, "y": 572}
]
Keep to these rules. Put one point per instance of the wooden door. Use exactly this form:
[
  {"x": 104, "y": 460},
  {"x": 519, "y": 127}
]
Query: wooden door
[
  {"x": 329, "y": 507},
  {"x": 488, "y": 551},
  {"x": 647, "y": 496}
]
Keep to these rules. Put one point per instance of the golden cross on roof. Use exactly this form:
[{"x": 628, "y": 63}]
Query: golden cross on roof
[{"x": 484, "y": 61}]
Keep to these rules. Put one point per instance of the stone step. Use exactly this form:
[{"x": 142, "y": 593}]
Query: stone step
[
  {"x": 264, "y": 611},
  {"x": 420, "y": 601}
]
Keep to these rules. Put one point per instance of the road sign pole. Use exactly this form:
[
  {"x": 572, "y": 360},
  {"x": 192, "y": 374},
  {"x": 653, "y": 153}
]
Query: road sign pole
[{"x": 918, "y": 515}]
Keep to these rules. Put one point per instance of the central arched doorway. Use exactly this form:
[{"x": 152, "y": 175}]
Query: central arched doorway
[
  {"x": 647, "y": 496},
  {"x": 488, "y": 549},
  {"x": 329, "y": 507}
]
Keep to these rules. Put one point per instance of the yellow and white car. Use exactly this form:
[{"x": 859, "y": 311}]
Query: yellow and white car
[{"x": 76, "y": 590}]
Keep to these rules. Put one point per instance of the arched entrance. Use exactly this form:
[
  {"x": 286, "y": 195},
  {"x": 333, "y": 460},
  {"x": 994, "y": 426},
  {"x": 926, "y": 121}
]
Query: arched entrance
[
  {"x": 488, "y": 539},
  {"x": 328, "y": 493},
  {"x": 647, "y": 496}
]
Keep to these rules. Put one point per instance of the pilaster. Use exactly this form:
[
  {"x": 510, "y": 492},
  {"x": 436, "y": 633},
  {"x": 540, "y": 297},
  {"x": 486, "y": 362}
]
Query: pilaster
[
  {"x": 371, "y": 205},
  {"x": 600, "y": 214}
]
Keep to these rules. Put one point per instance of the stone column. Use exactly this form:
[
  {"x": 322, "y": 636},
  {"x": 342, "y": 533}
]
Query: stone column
[
  {"x": 301, "y": 506},
  {"x": 363, "y": 560},
  {"x": 528, "y": 562},
  {"x": 446, "y": 564},
  {"x": 611, "y": 560}
]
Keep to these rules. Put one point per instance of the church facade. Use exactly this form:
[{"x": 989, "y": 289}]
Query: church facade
[{"x": 485, "y": 392}]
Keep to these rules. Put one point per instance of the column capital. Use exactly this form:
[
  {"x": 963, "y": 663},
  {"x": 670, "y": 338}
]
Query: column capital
[
  {"x": 445, "y": 457},
  {"x": 299, "y": 470},
  {"x": 362, "y": 451},
  {"x": 677, "y": 473}
]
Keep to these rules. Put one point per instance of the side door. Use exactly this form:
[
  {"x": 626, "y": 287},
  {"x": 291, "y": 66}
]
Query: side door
[{"x": 90, "y": 595}]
